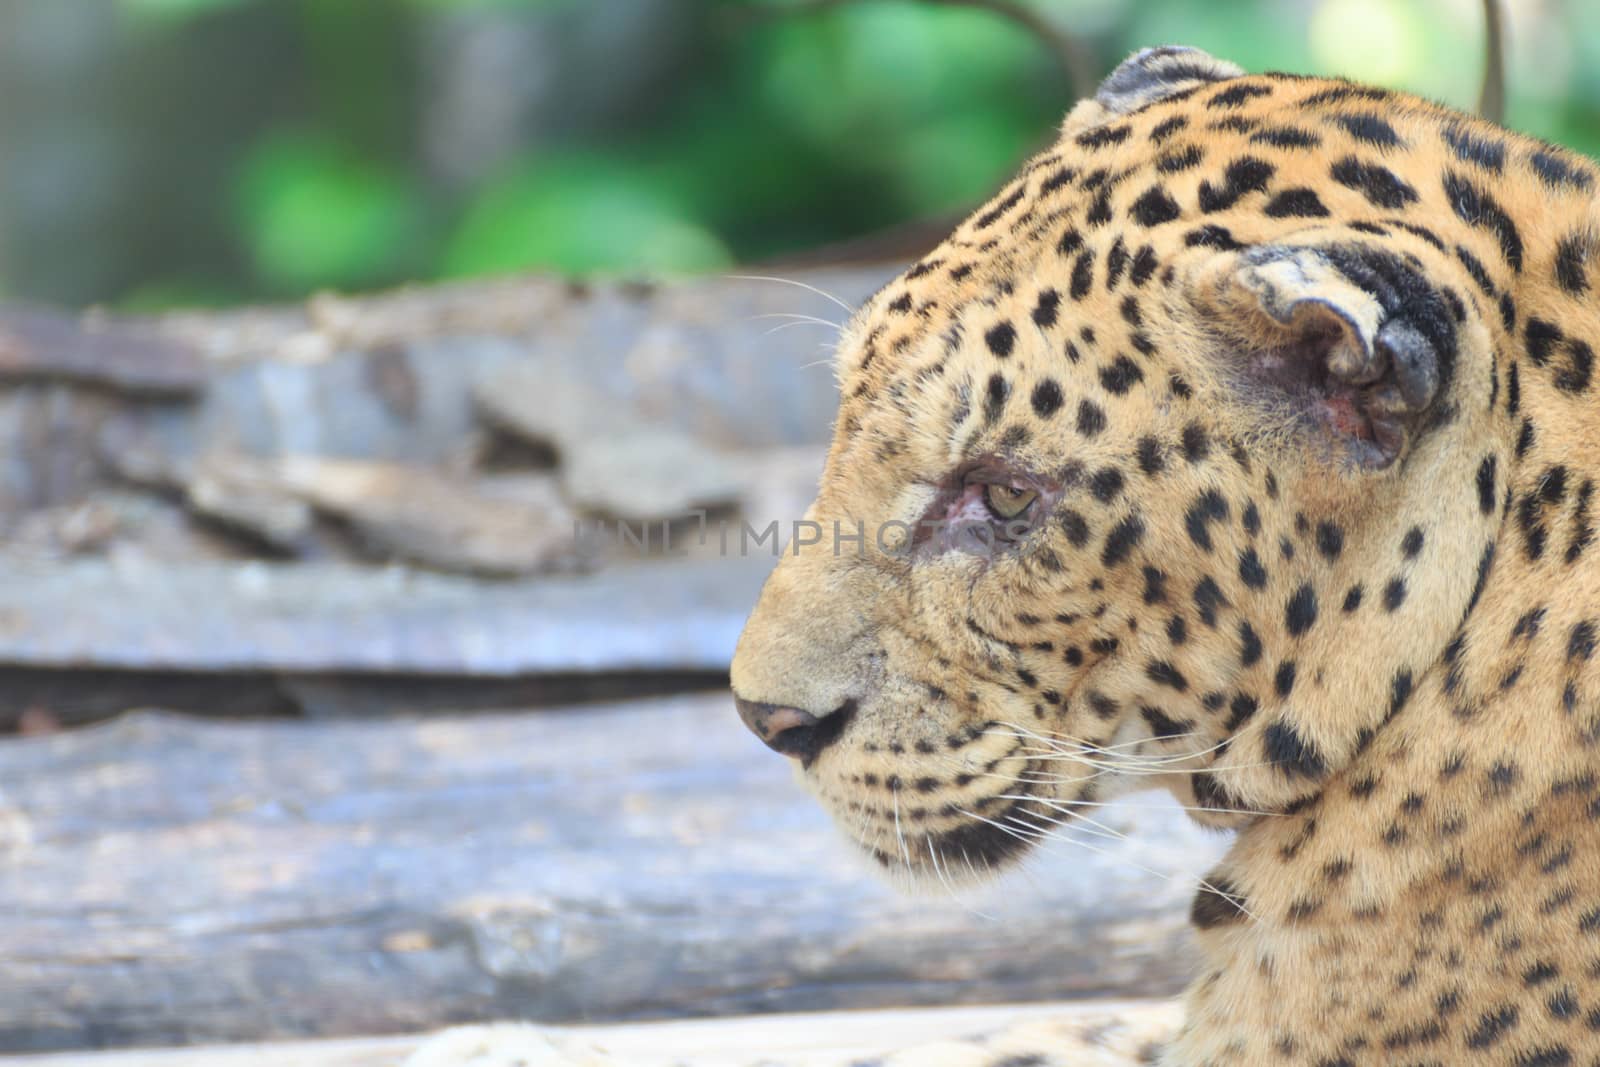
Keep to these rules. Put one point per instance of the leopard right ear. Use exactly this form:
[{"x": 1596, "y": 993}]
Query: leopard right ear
[{"x": 1145, "y": 77}]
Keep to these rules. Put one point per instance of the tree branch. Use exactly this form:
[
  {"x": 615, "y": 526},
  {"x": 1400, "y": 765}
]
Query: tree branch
[{"x": 1492, "y": 96}]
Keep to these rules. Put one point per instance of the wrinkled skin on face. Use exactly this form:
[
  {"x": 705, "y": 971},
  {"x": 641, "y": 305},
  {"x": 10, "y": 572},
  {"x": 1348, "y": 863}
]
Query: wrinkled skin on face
[{"x": 1247, "y": 402}]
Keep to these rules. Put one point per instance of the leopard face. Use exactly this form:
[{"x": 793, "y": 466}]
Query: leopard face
[{"x": 1174, "y": 467}]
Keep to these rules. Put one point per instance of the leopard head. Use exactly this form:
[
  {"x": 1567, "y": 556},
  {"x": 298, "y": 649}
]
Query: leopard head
[{"x": 1172, "y": 467}]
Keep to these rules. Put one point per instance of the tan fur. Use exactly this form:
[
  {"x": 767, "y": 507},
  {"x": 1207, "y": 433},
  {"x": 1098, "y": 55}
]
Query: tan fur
[
  {"x": 1420, "y": 889},
  {"x": 1414, "y": 779}
]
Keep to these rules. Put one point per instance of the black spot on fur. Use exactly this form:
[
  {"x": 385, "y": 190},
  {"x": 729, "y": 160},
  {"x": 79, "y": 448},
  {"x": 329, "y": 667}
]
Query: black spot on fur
[
  {"x": 1365, "y": 126},
  {"x": 1571, "y": 266},
  {"x": 1237, "y": 94},
  {"x": 1557, "y": 172},
  {"x": 1251, "y": 571},
  {"x": 1486, "y": 485},
  {"x": 1475, "y": 206},
  {"x": 994, "y": 399},
  {"x": 1154, "y": 207},
  {"x": 1163, "y": 673},
  {"x": 1292, "y": 753},
  {"x": 1208, "y": 598},
  {"x": 1149, "y": 456},
  {"x": 1120, "y": 375},
  {"x": 988, "y": 218},
  {"x": 1144, "y": 265},
  {"x": 1380, "y": 185},
  {"x": 1485, "y": 563},
  {"x": 1475, "y": 148},
  {"x": 1478, "y": 272},
  {"x": 1492, "y": 1026},
  {"x": 1543, "y": 341},
  {"x": 1001, "y": 339},
  {"x": 1082, "y": 274},
  {"x": 1167, "y": 127},
  {"x": 1046, "y": 398},
  {"x": 1100, "y": 211},
  {"x": 1155, "y": 585},
  {"x": 1209, "y": 507},
  {"x": 1061, "y": 177},
  {"x": 1297, "y": 203},
  {"x": 1394, "y": 594},
  {"x": 1122, "y": 540},
  {"x": 1249, "y": 645},
  {"x": 1180, "y": 159},
  {"x": 1344, "y": 92},
  {"x": 1399, "y": 691},
  {"x": 1091, "y": 418},
  {"x": 1286, "y": 137},
  {"x": 1411, "y": 544},
  {"x": 1211, "y": 236},
  {"x": 1300, "y": 614},
  {"x": 1243, "y": 176},
  {"x": 1116, "y": 261},
  {"x": 1103, "y": 136},
  {"x": 1283, "y": 680},
  {"x": 1075, "y": 527},
  {"x": 1106, "y": 484},
  {"x": 1581, "y": 641},
  {"x": 1218, "y": 903},
  {"x": 1044, "y": 312},
  {"x": 1330, "y": 540}
]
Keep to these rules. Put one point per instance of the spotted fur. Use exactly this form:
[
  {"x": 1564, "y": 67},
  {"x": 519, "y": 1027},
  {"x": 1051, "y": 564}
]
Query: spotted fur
[{"x": 1303, "y": 374}]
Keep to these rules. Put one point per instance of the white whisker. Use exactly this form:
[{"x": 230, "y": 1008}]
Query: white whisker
[
  {"x": 791, "y": 281},
  {"x": 793, "y": 315}
]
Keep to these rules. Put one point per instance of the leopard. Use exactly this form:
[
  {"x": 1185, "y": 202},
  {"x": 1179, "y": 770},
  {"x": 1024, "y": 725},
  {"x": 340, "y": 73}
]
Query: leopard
[{"x": 1242, "y": 447}]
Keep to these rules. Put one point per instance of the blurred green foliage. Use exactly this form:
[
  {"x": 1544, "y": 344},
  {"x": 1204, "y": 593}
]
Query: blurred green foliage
[{"x": 778, "y": 125}]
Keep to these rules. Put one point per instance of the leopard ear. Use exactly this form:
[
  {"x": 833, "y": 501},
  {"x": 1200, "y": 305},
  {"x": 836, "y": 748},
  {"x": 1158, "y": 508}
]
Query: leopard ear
[
  {"x": 1352, "y": 336},
  {"x": 1148, "y": 75}
]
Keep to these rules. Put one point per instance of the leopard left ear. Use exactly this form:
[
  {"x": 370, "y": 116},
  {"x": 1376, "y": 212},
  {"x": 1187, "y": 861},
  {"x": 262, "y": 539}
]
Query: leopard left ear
[
  {"x": 1355, "y": 335},
  {"x": 1148, "y": 75}
]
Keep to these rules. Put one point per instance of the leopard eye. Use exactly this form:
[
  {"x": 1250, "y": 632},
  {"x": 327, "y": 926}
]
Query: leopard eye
[{"x": 1008, "y": 501}]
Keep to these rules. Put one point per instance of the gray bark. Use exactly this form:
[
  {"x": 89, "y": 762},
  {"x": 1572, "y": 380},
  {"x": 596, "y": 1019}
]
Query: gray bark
[{"x": 168, "y": 880}]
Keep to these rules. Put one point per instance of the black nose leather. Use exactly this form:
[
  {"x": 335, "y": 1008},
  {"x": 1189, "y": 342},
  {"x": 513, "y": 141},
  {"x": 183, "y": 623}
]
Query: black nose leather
[{"x": 792, "y": 732}]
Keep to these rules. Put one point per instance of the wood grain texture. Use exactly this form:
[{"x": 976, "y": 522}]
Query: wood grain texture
[
  {"x": 328, "y": 618},
  {"x": 730, "y": 1042},
  {"x": 174, "y": 881}
]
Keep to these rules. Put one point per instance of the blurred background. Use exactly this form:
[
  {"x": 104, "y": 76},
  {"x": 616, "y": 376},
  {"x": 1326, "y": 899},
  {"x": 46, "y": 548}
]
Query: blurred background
[
  {"x": 368, "y": 364},
  {"x": 181, "y": 152}
]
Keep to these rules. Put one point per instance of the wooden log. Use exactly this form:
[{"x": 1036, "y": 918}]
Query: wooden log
[
  {"x": 173, "y": 881},
  {"x": 315, "y": 618},
  {"x": 728, "y": 1042},
  {"x": 126, "y": 355}
]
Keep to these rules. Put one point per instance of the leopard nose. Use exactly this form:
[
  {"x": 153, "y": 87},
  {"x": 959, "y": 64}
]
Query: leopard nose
[
  {"x": 791, "y": 731},
  {"x": 788, "y": 731}
]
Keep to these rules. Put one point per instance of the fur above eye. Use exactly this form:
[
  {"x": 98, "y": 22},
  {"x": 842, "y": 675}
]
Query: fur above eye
[{"x": 1008, "y": 501}]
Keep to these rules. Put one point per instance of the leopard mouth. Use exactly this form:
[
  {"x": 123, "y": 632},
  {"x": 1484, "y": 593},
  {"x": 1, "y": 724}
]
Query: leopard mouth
[{"x": 977, "y": 848}]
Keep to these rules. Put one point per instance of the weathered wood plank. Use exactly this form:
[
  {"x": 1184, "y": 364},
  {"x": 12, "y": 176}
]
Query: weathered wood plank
[
  {"x": 172, "y": 881},
  {"x": 311, "y": 618},
  {"x": 731, "y": 1042},
  {"x": 123, "y": 354}
]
